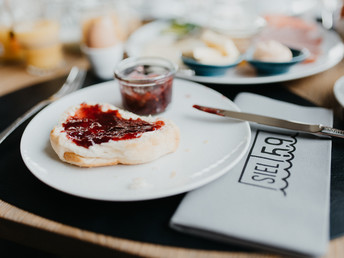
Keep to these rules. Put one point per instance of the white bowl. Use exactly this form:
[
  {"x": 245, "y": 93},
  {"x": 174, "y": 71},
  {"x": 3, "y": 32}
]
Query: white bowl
[{"x": 104, "y": 60}]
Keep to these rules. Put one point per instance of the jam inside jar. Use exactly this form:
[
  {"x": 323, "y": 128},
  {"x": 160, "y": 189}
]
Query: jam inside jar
[{"x": 146, "y": 84}]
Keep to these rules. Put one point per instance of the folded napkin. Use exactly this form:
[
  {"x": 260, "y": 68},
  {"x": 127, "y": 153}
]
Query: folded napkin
[{"x": 278, "y": 196}]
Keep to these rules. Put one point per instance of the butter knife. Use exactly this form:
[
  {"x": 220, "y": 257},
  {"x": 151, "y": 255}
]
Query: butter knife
[{"x": 316, "y": 129}]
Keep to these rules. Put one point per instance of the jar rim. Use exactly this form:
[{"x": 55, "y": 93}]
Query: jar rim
[{"x": 151, "y": 60}]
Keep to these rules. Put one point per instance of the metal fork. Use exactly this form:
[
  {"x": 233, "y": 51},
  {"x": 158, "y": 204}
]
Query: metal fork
[{"x": 73, "y": 82}]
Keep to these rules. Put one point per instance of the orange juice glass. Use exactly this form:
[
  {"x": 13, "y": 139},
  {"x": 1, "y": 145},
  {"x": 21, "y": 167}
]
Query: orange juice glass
[{"x": 11, "y": 51}]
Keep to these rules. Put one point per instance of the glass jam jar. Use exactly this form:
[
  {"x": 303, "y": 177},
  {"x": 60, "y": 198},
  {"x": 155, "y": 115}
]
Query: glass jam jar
[{"x": 145, "y": 84}]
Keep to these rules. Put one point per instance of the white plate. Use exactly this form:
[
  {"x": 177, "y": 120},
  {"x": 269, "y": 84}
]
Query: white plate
[
  {"x": 338, "y": 90},
  {"x": 210, "y": 145},
  {"x": 156, "y": 9},
  {"x": 287, "y": 7},
  {"x": 332, "y": 53}
]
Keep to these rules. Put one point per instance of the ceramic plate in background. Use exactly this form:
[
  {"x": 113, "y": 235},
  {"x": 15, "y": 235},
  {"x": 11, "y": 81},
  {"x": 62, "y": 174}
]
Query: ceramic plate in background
[{"x": 332, "y": 52}]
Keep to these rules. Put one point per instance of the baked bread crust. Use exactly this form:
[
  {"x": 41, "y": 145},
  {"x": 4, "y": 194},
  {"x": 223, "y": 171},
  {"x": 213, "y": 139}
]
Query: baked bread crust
[{"x": 148, "y": 147}]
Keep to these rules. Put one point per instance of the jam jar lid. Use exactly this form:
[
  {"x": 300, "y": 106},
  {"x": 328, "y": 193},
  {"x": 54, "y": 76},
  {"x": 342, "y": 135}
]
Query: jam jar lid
[{"x": 161, "y": 67}]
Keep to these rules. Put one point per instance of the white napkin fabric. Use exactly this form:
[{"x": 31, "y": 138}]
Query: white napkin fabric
[{"x": 278, "y": 196}]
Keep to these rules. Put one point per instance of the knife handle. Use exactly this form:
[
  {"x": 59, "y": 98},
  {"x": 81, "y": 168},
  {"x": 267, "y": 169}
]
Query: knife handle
[{"x": 332, "y": 131}]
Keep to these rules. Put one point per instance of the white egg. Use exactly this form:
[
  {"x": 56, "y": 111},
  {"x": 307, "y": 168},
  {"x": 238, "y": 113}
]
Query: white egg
[{"x": 101, "y": 33}]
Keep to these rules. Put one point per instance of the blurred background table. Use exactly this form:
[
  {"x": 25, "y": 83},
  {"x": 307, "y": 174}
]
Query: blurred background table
[{"x": 15, "y": 77}]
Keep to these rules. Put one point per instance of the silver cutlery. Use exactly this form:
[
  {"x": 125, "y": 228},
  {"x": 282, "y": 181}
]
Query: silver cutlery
[
  {"x": 316, "y": 129},
  {"x": 73, "y": 82}
]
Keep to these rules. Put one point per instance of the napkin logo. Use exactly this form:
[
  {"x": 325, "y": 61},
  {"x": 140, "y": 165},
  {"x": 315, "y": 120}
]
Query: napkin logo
[{"x": 269, "y": 161}]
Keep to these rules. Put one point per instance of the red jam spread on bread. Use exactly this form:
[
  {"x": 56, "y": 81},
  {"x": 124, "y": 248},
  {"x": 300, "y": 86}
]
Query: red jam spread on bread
[{"x": 90, "y": 125}]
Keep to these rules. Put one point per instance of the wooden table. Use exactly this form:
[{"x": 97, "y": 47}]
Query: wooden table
[{"x": 13, "y": 221}]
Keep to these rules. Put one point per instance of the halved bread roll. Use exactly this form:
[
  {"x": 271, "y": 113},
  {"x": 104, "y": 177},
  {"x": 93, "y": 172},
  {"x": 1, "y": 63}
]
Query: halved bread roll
[{"x": 92, "y": 135}]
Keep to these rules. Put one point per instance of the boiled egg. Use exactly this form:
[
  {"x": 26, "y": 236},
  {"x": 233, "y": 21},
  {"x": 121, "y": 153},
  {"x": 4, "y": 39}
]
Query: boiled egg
[{"x": 101, "y": 32}]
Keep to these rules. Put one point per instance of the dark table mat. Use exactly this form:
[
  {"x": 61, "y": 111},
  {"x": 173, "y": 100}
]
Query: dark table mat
[{"x": 145, "y": 221}]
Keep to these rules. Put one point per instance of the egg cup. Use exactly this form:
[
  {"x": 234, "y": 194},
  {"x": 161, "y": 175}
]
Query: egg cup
[{"x": 104, "y": 60}]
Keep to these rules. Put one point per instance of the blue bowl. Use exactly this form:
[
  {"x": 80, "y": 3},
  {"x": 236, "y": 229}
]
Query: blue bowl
[
  {"x": 274, "y": 68},
  {"x": 208, "y": 70}
]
